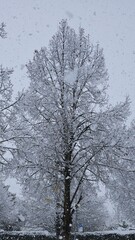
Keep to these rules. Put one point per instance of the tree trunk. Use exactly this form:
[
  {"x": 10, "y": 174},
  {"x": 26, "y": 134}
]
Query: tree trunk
[{"x": 67, "y": 214}]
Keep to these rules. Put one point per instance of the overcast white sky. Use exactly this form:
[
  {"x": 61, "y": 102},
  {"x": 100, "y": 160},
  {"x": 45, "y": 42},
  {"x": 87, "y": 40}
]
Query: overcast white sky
[
  {"x": 31, "y": 23},
  {"x": 111, "y": 23}
]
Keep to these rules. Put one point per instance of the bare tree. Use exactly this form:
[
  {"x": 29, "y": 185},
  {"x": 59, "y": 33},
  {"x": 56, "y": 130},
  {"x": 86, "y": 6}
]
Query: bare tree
[{"x": 69, "y": 134}]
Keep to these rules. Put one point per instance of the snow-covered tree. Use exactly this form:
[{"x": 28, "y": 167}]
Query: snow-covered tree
[
  {"x": 121, "y": 188},
  {"x": 69, "y": 135},
  {"x": 40, "y": 206},
  {"x": 6, "y": 110},
  {"x": 8, "y": 216},
  {"x": 92, "y": 213},
  {"x": 5, "y": 114}
]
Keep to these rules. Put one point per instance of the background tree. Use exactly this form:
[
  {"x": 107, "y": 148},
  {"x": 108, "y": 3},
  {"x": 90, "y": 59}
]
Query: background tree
[
  {"x": 6, "y": 111},
  {"x": 121, "y": 188},
  {"x": 40, "y": 209},
  {"x": 8, "y": 215},
  {"x": 69, "y": 135},
  {"x": 39, "y": 204},
  {"x": 5, "y": 115},
  {"x": 92, "y": 213}
]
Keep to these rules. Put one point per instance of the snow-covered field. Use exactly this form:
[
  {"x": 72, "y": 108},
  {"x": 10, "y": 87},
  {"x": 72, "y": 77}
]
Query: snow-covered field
[
  {"x": 118, "y": 232},
  {"x": 46, "y": 233}
]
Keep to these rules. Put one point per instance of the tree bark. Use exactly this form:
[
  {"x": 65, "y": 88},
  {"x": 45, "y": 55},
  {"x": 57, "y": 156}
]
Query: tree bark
[{"x": 67, "y": 214}]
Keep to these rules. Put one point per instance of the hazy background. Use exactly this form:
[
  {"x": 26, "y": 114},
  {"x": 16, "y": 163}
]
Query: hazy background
[{"x": 31, "y": 23}]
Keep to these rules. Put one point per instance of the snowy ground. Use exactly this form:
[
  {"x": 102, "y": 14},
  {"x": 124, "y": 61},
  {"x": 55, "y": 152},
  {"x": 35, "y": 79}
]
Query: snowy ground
[
  {"x": 46, "y": 233},
  {"x": 118, "y": 232}
]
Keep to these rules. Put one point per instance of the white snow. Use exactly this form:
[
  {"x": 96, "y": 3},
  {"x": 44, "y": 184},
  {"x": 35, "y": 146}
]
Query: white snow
[
  {"x": 21, "y": 217},
  {"x": 29, "y": 232},
  {"x": 68, "y": 177},
  {"x": 14, "y": 186},
  {"x": 46, "y": 233},
  {"x": 117, "y": 231}
]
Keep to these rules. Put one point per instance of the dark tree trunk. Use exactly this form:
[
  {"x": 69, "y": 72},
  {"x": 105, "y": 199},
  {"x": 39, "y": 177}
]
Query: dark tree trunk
[{"x": 67, "y": 213}]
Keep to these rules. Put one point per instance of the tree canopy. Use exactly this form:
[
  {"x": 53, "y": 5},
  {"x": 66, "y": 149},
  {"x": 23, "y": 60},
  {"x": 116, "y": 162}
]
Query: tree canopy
[{"x": 66, "y": 134}]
